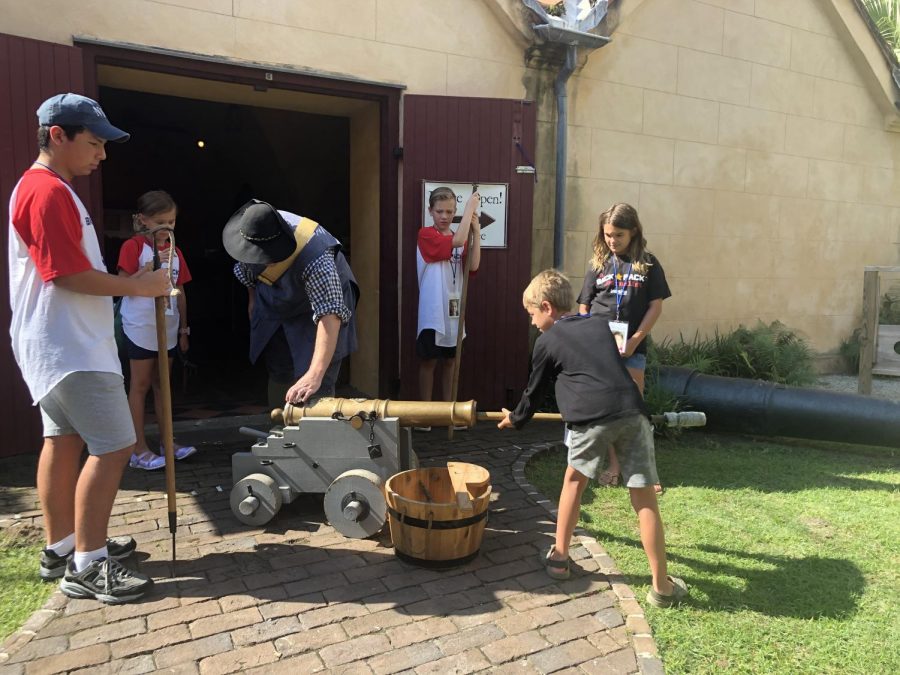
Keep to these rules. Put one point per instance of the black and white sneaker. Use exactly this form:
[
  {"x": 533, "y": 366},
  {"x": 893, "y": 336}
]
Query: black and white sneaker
[
  {"x": 106, "y": 580},
  {"x": 53, "y": 566}
]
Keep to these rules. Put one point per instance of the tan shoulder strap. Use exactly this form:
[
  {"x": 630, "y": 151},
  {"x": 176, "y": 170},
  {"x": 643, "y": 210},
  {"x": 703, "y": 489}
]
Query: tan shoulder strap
[{"x": 302, "y": 234}]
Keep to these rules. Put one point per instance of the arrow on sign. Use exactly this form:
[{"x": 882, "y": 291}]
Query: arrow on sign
[{"x": 483, "y": 219}]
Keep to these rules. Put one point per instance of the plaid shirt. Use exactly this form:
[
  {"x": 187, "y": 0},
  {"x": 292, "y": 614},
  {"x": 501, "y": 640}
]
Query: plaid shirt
[{"x": 323, "y": 286}]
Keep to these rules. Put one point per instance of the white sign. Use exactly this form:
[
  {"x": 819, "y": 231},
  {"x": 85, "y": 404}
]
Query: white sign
[{"x": 492, "y": 213}]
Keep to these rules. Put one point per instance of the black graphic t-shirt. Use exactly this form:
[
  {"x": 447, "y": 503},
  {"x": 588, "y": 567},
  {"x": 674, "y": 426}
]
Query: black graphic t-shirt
[{"x": 618, "y": 279}]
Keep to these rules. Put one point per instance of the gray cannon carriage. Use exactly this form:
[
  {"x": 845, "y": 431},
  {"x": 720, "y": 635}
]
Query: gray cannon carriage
[{"x": 346, "y": 449}]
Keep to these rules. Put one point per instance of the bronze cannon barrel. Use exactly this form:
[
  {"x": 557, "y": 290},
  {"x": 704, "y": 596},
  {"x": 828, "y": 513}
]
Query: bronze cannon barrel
[{"x": 410, "y": 413}]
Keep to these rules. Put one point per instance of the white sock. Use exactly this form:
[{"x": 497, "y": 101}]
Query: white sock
[
  {"x": 81, "y": 560},
  {"x": 63, "y": 547}
]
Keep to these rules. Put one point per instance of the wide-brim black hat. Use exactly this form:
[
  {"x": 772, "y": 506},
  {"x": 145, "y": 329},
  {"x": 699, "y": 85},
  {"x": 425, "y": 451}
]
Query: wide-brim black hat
[{"x": 257, "y": 233}]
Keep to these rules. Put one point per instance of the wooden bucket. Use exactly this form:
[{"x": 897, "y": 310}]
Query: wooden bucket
[{"x": 437, "y": 515}]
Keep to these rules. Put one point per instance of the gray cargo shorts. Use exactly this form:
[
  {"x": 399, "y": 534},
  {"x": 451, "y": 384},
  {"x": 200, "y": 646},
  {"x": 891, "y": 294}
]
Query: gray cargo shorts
[
  {"x": 631, "y": 436},
  {"x": 92, "y": 405}
]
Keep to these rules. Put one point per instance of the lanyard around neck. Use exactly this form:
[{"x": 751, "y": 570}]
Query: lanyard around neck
[
  {"x": 454, "y": 264},
  {"x": 51, "y": 170},
  {"x": 625, "y": 276}
]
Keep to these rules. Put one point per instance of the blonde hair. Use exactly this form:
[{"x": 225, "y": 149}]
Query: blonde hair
[
  {"x": 624, "y": 217},
  {"x": 552, "y": 286}
]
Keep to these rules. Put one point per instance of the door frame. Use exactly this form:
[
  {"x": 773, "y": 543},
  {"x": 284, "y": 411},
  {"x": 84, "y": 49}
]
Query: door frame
[
  {"x": 386, "y": 96},
  {"x": 481, "y": 139}
]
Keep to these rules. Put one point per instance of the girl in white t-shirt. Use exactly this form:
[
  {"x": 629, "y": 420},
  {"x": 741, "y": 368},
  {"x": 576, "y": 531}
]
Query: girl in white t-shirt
[{"x": 155, "y": 209}]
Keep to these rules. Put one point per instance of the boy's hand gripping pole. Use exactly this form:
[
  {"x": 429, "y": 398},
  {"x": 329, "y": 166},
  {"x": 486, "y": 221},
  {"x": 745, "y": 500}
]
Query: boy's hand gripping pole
[{"x": 165, "y": 389}]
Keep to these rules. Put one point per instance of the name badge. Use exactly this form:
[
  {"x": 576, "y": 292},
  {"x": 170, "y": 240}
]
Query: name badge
[
  {"x": 619, "y": 330},
  {"x": 453, "y": 300}
]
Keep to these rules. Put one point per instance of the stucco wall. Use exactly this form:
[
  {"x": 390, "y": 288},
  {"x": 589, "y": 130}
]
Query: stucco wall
[
  {"x": 432, "y": 47},
  {"x": 747, "y": 132},
  {"x": 748, "y": 135}
]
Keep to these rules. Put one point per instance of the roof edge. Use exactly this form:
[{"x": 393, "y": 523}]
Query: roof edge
[{"x": 867, "y": 49}]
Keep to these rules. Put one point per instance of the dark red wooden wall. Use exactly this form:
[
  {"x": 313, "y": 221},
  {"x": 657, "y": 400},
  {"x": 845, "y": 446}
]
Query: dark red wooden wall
[
  {"x": 465, "y": 140},
  {"x": 30, "y": 72}
]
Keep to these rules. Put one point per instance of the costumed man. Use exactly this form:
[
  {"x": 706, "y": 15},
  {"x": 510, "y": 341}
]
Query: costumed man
[{"x": 302, "y": 302}]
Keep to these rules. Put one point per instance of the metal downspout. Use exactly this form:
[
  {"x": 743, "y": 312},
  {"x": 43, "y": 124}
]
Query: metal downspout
[{"x": 562, "y": 123}]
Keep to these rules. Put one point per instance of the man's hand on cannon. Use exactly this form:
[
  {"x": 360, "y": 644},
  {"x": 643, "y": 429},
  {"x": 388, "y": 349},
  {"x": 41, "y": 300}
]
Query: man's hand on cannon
[{"x": 303, "y": 388}]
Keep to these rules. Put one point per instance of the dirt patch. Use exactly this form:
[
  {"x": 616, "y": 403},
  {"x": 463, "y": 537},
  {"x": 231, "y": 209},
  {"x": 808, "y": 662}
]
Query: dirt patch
[
  {"x": 821, "y": 529},
  {"x": 21, "y": 535}
]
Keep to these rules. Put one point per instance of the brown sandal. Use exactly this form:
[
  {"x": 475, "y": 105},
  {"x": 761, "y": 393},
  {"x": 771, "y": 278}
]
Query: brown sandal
[{"x": 556, "y": 569}]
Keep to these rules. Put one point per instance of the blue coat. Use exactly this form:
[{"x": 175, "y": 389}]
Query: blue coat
[{"x": 285, "y": 304}]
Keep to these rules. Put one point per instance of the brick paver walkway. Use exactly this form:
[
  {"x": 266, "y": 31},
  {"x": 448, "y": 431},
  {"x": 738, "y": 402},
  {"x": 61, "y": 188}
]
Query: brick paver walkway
[{"x": 297, "y": 597}]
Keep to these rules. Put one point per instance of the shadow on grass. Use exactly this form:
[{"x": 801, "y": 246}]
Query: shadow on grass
[{"x": 779, "y": 586}]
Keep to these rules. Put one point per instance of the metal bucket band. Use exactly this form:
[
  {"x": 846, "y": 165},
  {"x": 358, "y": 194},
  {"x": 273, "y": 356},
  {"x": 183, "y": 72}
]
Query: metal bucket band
[
  {"x": 437, "y": 524},
  {"x": 422, "y": 562}
]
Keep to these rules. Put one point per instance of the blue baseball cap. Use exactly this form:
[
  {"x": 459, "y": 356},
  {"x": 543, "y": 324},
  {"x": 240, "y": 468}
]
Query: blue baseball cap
[{"x": 79, "y": 111}]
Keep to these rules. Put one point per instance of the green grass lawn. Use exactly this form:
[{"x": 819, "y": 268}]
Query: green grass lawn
[
  {"x": 21, "y": 589},
  {"x": 791, "y": 550}
]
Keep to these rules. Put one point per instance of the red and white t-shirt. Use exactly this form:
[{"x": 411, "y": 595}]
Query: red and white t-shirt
[
  {"x": 139, "y": 314},
  {"x": 440, "y": 269},
  {"x": 55, "y": 331}
]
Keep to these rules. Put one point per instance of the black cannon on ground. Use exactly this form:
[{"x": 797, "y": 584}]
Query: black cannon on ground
[{"x": 769, "y": 409}]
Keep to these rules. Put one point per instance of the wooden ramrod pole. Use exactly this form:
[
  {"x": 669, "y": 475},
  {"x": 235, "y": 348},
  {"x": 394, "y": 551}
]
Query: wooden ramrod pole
[
  {"x": 461, "y": 326},
  {"x": 165, "y": 392}
]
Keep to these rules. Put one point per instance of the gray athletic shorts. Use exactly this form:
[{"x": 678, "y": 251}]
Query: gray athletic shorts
[
  {"x": 93, "y": 405},
  {"x": 632, "y": 438}
]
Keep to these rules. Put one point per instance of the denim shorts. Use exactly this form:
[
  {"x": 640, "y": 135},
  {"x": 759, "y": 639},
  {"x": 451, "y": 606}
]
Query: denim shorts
[
  {"x": 631, "y": 436},
  {"x": 92, "y": 405},
  {"x": 636, "y": 362}
]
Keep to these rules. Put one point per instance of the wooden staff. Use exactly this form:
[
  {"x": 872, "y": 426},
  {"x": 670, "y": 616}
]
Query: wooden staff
[
  {"x": 467, "y": 266},
  {"x": 165, "y": 389},
  {"x": 687, "y": 418},
  {"x": 539, "y": 417}
]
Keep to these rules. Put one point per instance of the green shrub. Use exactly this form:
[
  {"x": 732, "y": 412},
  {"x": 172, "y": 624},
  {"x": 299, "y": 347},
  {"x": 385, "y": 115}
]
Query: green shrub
[
  {"x": 886, "y": 17},
  {"x": 771, "y": 352},
  {"x": 889, "y": 313},
  {"x": 849, "y": 351}
]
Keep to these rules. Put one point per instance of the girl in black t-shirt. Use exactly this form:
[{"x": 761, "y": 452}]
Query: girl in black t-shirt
[{"x": 626, "y": 285}]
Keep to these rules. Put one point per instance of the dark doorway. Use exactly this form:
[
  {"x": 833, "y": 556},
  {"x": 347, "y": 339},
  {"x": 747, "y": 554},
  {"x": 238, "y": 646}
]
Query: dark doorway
[{"x": 297, "y": 161}]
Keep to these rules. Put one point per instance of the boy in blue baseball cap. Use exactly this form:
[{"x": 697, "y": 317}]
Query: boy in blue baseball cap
[
  {"x": 74, "y": 110},
  {"x": 62, "y": 338}
]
